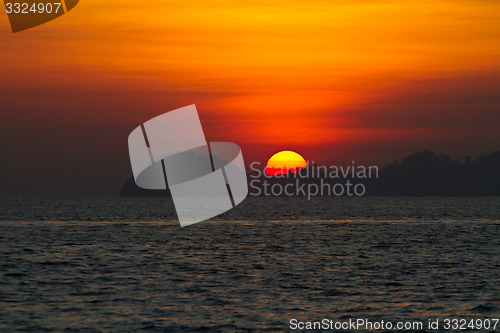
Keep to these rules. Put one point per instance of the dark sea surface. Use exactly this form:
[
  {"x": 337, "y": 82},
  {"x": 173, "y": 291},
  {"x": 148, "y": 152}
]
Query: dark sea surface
[{"x": 125, "y": 264}]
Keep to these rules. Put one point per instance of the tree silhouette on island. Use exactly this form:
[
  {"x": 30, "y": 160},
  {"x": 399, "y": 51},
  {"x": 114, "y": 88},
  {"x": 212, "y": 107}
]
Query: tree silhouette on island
[{"x": 421, "y": 174}]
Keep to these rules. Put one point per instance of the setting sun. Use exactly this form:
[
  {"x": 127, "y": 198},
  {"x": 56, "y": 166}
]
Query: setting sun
[{"x": 284, "y": 162}]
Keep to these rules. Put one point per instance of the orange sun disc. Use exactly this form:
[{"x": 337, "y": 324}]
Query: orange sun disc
[{"x": 284, "y": 162}]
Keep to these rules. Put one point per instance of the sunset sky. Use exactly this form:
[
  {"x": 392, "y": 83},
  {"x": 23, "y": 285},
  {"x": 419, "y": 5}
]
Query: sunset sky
[{"x": 370, "y": 81}]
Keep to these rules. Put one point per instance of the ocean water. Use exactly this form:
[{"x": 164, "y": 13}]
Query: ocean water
[{"x": 124, "y": 264}]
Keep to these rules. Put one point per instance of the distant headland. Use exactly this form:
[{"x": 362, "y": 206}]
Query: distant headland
[{"x": 421, "y": 174}]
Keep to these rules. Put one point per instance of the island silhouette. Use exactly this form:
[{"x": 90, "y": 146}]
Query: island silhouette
[{"x": 423, "y": 173}]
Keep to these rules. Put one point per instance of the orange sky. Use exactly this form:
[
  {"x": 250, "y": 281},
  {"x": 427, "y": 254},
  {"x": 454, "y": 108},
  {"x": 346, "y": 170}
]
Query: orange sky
[{"x": 332, "y": 80}]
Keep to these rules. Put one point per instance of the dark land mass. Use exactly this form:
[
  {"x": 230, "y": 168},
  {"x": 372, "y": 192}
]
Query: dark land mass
[{"x": 421, "y": 174}]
